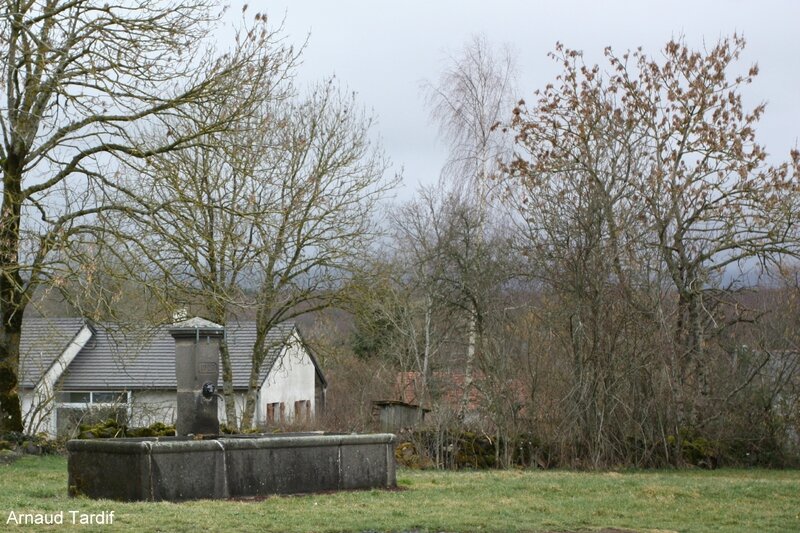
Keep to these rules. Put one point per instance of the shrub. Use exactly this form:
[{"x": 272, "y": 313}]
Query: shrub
[{"x": 111, "y": 428}]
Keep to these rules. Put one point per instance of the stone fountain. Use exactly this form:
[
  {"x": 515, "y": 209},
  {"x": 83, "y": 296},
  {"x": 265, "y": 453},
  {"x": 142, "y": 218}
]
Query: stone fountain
[{"x": 199, "y": 463}]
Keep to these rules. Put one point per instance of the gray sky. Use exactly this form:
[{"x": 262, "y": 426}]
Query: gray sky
[{"x": 384, "y": 50}]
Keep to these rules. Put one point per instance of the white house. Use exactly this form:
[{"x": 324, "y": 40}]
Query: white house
[{"x": 70, "y": 368}]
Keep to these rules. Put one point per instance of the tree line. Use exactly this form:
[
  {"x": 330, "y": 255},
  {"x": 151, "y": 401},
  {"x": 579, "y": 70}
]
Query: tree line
[{"x": 605, "y": 269}]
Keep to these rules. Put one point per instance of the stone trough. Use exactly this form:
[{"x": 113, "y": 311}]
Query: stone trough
[
  {"x": 175, "y": 468},
  {"x": 199, "y": 463}
]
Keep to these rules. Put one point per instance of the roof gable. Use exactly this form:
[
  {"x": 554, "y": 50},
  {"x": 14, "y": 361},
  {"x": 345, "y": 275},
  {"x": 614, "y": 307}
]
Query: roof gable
[{"x": 42, "y": 341}]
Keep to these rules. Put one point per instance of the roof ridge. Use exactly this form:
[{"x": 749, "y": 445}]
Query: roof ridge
[{"x": 145, "y": 359}]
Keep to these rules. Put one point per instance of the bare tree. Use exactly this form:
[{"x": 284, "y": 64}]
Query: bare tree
[
  {"x": 639, "y": 188},
  {"x": 472, "y": 96},
  {"x": 85, "y": 86},
  {"x": 270, "y": 221},
  {"x": 469, "y": 101},
  {"x": 412, "y": 312},
  {"x": 319, "y": 202},
  {"x": 196, "y": 243},
  {"x": 713, "y": 199}
]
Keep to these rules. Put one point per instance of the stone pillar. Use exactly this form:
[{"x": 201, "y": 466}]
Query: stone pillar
[{"x": 197, "y": 370}]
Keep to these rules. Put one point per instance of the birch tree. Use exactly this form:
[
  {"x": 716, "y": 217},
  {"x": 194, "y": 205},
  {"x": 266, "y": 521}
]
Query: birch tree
[{"x": 470, "y": 99}]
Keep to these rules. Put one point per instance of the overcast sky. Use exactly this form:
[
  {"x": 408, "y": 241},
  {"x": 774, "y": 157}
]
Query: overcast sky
[{"x": 384, "y": 50}]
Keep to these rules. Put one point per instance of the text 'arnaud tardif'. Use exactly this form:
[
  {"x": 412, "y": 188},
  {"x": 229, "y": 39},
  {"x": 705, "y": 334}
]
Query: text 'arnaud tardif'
[{"x": 60, "y": 517}]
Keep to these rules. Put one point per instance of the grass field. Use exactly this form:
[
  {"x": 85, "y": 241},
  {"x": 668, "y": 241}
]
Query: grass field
[{"x": 722, "y": 500}]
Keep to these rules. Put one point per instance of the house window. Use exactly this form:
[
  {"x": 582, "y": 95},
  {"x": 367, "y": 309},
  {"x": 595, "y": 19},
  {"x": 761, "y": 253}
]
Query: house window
[
  {"x": 276, "y": 413},
  {"x": 302, "y": 410},
  {"x": 76, "y": 397},
  {"x": 89, "y": 407},
  {"x": 109, "y": 397},
  {"x": 94, "y": 397}
]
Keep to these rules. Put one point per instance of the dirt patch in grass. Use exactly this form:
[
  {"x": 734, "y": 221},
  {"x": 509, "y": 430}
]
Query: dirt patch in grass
[
  {"x": 607, "y": 530},
  {"x": 256, "y": 499}
]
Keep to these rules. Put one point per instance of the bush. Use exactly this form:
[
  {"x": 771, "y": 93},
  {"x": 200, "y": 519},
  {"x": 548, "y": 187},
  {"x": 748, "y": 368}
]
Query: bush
[
  {"x": 697, "y": 450},
  {"x": 8, "y": 456},
  {"x": 467, "y": 450},
  {"x": 407, "y": 455},
  {"x": 18, "y": 443},
  {"x": 111, "y": 428}
]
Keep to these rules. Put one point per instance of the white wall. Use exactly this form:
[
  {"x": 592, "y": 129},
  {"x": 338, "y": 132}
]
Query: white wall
[
  {"x": 149, "y": 407},
  {"x": 239, "y": 399},
  {"x": 38, "y": 412},
  {"x": 292, "y": 379},
  {"x": 38, "y": 405}
]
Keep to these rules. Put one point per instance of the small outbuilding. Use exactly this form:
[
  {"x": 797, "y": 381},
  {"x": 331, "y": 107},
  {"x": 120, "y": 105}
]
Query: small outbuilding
[{"x": 394, "y": 415}]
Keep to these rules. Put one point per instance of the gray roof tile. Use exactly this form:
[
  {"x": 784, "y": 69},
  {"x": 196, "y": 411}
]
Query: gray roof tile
[
  {"x": 42, "y": 341},
  {"x": 120, "y": 358}
]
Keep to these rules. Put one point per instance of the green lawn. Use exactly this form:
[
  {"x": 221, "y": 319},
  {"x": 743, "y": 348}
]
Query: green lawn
[{"x": 722, "y": 500}]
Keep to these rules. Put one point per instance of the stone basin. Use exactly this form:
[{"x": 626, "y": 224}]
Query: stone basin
[{"x": 229, "y": 466}]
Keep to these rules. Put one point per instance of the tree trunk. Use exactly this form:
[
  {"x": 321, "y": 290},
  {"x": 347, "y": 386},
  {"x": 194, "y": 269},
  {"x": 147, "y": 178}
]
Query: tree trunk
[
  {"x": 425, "y": 396},
  {"x": 12, "y": 296},
  {"x": 218, "y": 315},
  {"x": 472, "y": 342},
  {"x": 690, "y": 386},
  {"x": 10, "y": 333},
  {"x": 227, "y": 387},
  {"x": 248, "y": 413},
  {"x": 696, "y": 349}
]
